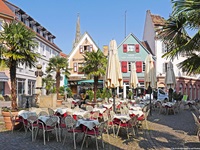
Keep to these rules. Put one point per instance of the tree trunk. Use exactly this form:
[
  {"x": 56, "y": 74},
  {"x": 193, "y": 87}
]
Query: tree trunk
[
  {"x": 13, "y": 84},
  {"x": 57, "y": 83},
  {"x": 95, "y": 88}
]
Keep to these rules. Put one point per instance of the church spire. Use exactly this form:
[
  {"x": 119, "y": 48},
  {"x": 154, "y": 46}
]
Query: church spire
[{"x": 78, "y": 32}]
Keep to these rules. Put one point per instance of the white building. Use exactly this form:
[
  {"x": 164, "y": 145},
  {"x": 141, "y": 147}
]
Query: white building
[
  {"x": 188, "y": 85},
  {"x": 26, "y": 78}
]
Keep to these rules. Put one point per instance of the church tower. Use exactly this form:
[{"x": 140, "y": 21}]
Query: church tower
[{"x": 78, "y": 32}]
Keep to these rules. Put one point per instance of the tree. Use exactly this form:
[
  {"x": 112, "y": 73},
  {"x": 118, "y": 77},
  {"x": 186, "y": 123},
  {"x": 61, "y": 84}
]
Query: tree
[
  {"x": 59, "y": 65},
  {"x": 174, "y": 33},
  {"x": 17, "y": 44},
  {"x": 48, "y": 81},
  {"x": 95, "y": 67}
]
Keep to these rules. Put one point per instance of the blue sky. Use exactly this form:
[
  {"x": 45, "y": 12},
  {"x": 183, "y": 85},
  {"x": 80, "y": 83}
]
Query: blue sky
[{"x": 104, "y": 20}]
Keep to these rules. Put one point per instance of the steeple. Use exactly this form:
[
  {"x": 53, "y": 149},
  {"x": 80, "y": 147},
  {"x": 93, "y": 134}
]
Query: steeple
[{"x": 78, "y": 32}]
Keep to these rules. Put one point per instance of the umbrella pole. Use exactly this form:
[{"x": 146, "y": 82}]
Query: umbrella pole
[
  {"x": 113, "y": 93},
  {"x": 150, "y": 91}
]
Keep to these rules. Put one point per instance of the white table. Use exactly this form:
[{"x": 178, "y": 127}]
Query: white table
[
  {"x": 108, "y": 106},
  {"x": 45, "y": 118},
  {"x": 63, "y": 110},
  {"x": 122, "y": 117},
  {"x": 90, "y": 124},
  {"x": 80, "y": 112},
  {"x": 168, "y": 104},
  {"x": 25, "y": 114},
  {"x": 101, "y": 110},
  {"x": 138, "y": 113}
]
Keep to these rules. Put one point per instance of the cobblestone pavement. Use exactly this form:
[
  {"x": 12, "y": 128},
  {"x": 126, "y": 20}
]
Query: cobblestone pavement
[{"x": 164, "y": 132}]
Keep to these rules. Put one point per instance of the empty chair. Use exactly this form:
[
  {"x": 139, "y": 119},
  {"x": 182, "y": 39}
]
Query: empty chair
[
  {"x": 71, "y": 128},
  {"x": 43, "y": 113},
  {"x": 49, "y": 125},
  {"x": 32, "y": 124},
  {"x": 89, "y": 108},
  {"x": 51, "y": 112},
  {"x": 96, "y": 132}
]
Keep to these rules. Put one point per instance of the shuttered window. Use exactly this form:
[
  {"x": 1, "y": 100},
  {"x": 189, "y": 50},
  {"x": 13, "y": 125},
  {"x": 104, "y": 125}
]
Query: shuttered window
[
  {"x": 138, "y": 66},
  {"x": 75, "y": 67},
  {"x": 137, "y": 48},
  {"x": 125, "y": 48},
  {"x": 124, "y": 66},
  {"x": 81, "y": 49}
]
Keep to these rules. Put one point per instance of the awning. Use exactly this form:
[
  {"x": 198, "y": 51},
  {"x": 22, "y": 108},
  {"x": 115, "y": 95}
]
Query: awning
[
  {"x": 3, "y": 77},
  {"x": 89, "y": 81}
]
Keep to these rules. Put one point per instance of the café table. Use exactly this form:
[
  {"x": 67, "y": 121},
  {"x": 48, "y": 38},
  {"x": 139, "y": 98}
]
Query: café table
[
  {"x": 62, "y": 111},
  {"x": 89, "y": 123},
  {"x": 25, "y": 114},
  {"x": 79, "y": 112}
]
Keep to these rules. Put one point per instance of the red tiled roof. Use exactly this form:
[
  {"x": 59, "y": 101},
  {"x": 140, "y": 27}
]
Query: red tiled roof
[
  {"x": 5, "y": 10},
  {"x": 63, "y": 55},
  {"x": 157, "y": 20}
]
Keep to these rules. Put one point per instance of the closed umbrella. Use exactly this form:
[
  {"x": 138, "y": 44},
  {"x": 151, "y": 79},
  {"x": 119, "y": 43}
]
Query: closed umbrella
[
  {"x": 170, "y": 79},
  {"x": 133, "y": 81},
  {"x": 113, "y": 72},
  {"x": 150, "y": 76}
]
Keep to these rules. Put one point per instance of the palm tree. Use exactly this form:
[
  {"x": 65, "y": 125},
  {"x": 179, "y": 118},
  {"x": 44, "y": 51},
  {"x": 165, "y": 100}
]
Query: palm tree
[
  {"x": 17, "y": 44},
  {"x": 95, "y": 67},
  {"x": 184, "y": 18},
  {"x": 48, "y": 81},
  {"x": 59, "y": 65}
]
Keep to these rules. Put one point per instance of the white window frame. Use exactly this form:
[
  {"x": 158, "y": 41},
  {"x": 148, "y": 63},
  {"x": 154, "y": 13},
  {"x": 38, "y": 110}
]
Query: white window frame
[{"x": 130, "y": 47}]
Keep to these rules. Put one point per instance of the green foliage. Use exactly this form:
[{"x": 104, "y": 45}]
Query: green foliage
[
  {"x": 99, "y": 94},
  {"x": 91, "y": 94},
  {"x": 17, "y": 44},
  {"x": 62, "y": 90},
  {"x": 95, "y": 67},
  {"x": 176, "y": 37},
  {"x": 69, "y": 92},
  {"x": 106, "y": 93},
  {"x": 130, "y": 93},
  {"x": 59, "y": 65},
  {"x": 48, "y": 83}
]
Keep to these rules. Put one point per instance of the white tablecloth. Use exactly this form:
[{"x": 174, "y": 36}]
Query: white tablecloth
[
  {"x": 87, "y": 122},
  {"x": 101, "y": 110},
  {"x": 135, "y": 108},
  {"x": 25, "y": 114},
  {"x": 108, "y": 106},
  {"x": 80, "y": 112},
  {"x": 63, "y": 110},
  {"x": 122, "y": 117},
  {"x": 136, "y": 112},
  {"x": 168, "y": 104},
  {"x": 44, "y": 118}
]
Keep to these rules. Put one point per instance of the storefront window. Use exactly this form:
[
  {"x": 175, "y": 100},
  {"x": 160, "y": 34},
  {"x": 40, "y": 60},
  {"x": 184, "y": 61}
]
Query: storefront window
[{"x": 31, "y": 87}]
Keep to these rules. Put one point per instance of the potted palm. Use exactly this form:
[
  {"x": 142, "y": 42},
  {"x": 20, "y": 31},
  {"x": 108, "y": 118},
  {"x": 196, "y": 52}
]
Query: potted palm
[{"x": 17, "y": 42}]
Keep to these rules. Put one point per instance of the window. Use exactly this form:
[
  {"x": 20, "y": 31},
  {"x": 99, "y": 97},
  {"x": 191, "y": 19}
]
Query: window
[
  {"x": 75, "y": 67},
  {"x": 20, "y": 65},
  {"x": 131, "y": 48},
  {"x": 43, "y": 50},
  {"x": 164, "y": 67},
  {"x": 80, "y": 67},
  {"x": 1, "y": 25},
  {"x": 129, "y": 66},
  {"x": 31, "y": 87},
  {"x": 86, "y": 48},
  {"x": 164, "y": 48},
  {"x": 143, "y": 66}
]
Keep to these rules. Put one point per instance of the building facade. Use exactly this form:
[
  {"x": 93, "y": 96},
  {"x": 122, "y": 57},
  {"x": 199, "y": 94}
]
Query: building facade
[
  {"x": 131, "y": 49},
  {"x": 26, "y": 78},
  {"x": 188, "y": 85}
]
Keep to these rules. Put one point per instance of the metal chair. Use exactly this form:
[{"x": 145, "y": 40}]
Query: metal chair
[
  {"x": 43, "y": 113},
  {"x": 15, "y": 119},
  {"x": 50, "y": 125},
  {"x": 96, "y": 132},
  {"x": 71, "y": 128},
  {"x": 51, "y": 112}
]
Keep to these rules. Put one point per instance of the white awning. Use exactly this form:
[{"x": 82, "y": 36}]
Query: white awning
[{"x": 3, "y": 77}]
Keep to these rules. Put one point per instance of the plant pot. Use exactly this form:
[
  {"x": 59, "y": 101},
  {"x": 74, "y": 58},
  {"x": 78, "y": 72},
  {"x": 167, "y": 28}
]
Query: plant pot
[
  {"x": 7, "y": 120},
  {"x": 59, "y": 102}
]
